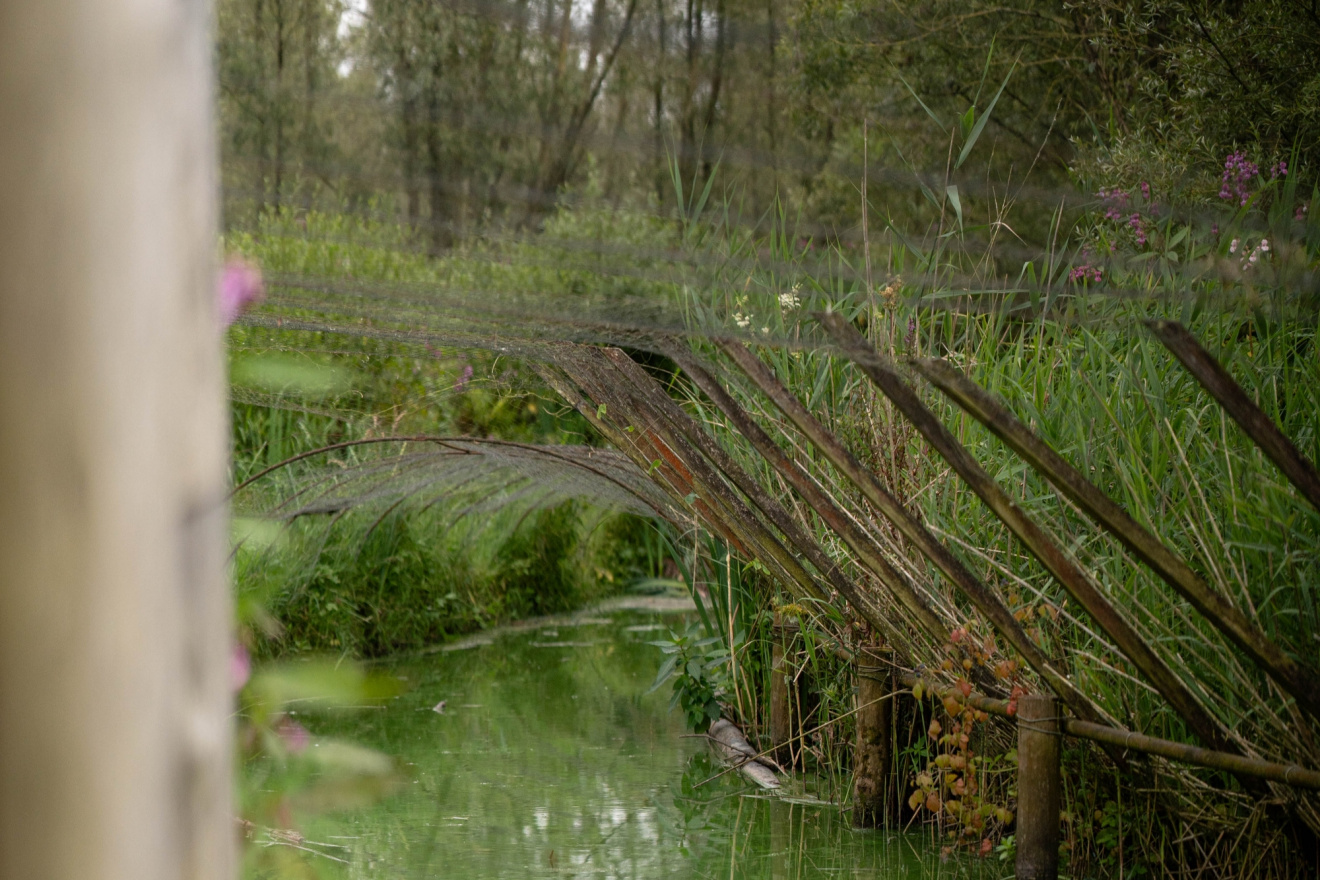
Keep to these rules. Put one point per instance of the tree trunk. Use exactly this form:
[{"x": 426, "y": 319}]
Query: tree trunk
[
  {"x": 115, "y": 756},
  {"x": 442, "y": 202},
  {"x": 658, "y": 93}
]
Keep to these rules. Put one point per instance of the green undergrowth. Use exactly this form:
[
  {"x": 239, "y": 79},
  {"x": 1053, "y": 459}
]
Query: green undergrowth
[
  {"x": 1063, "y": 343},
  {"x": 1061, "y": 339},
  {"x": 376, "y": 580},
  {"x": 370, "y": 586}
]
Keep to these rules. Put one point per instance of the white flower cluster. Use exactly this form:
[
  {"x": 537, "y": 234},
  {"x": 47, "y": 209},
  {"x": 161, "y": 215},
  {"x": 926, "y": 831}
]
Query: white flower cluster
[
  {"x": 1250, "y": 259},
  {"x": 789, "y": 301}
]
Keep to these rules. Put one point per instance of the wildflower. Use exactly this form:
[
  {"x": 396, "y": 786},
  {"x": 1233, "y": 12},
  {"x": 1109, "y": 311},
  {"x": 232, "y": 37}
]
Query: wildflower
[
  {"x": 1280, "y": 169},
  {"x": 460, "y": 384},
  {"x": 1232, "y": 246},
  {"x": 1136, "y": 223},
  {"x": 743, "y": 321},
  {"x": 1145, "y": 190},
  {"x": 1262, "y": 248},
  {"x": 789, "y": 301},
  {"x": 1084, "y": 272},
  {"x": 240, "y": 286},
  {"x": 890, "y": 291},
  {"x": 293, "y": 734},
  {"x": 240, "y": 667},
  {"x": 1300, "y": 213},
  {"x": 1238, "y": 173}
]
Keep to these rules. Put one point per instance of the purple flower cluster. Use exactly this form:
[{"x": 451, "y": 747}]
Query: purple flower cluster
[
  {"x": 460, "y": 385},
  {"x": 1139, "y": 227},
  {"x": 1117, "y": 208},
  {"x": 1085, "y": 273},
  {"x": 1239, "y": 171},
  {"x": 1116, "y": 202}
]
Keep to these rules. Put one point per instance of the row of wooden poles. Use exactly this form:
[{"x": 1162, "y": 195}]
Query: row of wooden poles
[
  {"x": 633, "y": 411},
  {"x": 1041, "y": 724}
]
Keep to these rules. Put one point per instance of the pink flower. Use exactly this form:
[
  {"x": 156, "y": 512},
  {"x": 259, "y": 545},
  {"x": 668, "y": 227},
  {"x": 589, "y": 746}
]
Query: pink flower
[
  {"x": 293, "y": 734},
  {"x": 240, "y": 667},
  {"x": 1238, "y": 173},
  {"x": 239, "y": 288},
  {"x": 463, "y": 378},
  {"x": 1135, "y": 222}
]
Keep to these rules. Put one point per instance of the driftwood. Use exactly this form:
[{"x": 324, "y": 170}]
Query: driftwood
[{"x": 729, "y": 744}]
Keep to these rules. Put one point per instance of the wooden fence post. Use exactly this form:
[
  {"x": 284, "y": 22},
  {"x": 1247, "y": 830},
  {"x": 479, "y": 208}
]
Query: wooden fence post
[
  {"x": 784, "y": 632},
  {"x": 873, "y": 761},
  {"x": 115, "y": 757},
  {"x": 1039, "y": 791}
]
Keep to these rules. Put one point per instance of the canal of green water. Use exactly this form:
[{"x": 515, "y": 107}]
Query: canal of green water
[{"x": 551, "y": 760}]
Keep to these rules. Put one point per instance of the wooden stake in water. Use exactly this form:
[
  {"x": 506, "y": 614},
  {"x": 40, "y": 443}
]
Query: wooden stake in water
[
  {"x": 873, "y": 763},
  {"x": 781, "y": 702},
  {"x": 1039, "y": 795}
]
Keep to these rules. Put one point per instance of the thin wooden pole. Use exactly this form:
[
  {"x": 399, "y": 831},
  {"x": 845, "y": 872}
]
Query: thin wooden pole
[
  {"x": 1259, "y": 427},
  {"x": 1296, "y": 678},
  {"x": 866, "y": 548},
  {"x": 599, "y": 378},
  {"x": 1123, "y": 740},
  {"x": 1077, "y": 581},
  {"x": 915, "y": 531},
  {"x": 873, "y": 761},
  {"x": 1039, "y": 789},
  {"x": 784, "y": 633},
  {"x": 115, "y": 758}
]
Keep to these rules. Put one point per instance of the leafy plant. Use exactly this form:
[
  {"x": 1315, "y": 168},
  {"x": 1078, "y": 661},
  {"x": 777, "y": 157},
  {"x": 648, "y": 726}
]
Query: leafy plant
[{"x": 698, "y": 666}]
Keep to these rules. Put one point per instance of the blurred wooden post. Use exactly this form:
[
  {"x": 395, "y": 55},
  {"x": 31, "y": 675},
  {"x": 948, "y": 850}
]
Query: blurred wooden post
[
  {"x": 873, "y": 761},
  {"x": 115, "y": 757},
  {"x": 783, "y": 632},
  {"x": 1039, "y": 797}
]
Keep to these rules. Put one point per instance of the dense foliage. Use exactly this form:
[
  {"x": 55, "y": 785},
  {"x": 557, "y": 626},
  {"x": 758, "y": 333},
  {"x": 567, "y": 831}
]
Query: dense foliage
[{"x": 1039, "y": 178}]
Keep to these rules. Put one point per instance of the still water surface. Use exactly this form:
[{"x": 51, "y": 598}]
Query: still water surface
[{"x": 550, "y": 760}]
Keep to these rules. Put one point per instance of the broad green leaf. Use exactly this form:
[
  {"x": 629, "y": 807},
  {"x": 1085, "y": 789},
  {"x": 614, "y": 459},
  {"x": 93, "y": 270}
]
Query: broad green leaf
[
  {"x": 980, "y": 123},
  {"x": 952, "y": 192}
]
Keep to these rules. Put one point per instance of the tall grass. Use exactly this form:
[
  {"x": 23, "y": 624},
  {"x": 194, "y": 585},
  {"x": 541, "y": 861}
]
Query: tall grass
[
  {"x": 1072, "y": 359},
  {"x": 372, "y": 582},
  {"x": 1067, "y": 353}
]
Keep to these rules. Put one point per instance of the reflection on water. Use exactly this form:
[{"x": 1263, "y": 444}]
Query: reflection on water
[{"x": 549, "y": 760}]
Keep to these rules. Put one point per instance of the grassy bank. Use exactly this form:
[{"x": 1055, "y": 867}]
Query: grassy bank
[
  {"x": 377, "y": 580},
  {"x": 1060, "y": 339},
  {"x": 1064, "y": 345}
]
